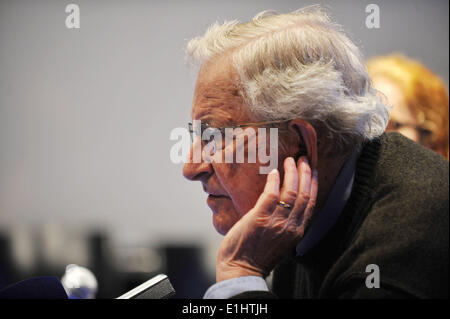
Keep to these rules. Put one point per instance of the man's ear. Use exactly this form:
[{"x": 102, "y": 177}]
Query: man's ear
[{"x": 308, "y": 139}]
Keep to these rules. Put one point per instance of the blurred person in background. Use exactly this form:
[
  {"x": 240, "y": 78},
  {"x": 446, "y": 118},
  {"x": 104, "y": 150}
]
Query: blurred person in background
[
  {"x": 351, "y": 211},
  {"x": 419, "y": 99}
]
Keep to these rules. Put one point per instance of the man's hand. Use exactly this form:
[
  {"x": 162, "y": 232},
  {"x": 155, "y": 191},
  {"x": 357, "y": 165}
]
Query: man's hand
[{"x": 255, "y": 244}]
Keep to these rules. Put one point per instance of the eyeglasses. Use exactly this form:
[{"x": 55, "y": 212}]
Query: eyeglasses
[
  {"x": 204, "y": 127},
  {"x": 205, "y": 130}
]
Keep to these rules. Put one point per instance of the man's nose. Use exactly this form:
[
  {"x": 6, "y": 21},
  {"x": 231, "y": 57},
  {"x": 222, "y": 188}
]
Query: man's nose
[{"x": 195, "y": 168}]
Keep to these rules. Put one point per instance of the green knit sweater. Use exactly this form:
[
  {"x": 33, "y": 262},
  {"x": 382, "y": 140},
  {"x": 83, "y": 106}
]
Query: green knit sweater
[{"x": 396, "y": 218}]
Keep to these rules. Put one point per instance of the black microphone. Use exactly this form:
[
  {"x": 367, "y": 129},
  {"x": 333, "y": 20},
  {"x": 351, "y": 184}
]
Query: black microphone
[{"x": 35, "y": 288}]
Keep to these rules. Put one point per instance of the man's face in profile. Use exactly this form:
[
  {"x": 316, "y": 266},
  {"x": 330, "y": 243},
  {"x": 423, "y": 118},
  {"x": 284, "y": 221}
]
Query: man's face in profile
[{"x": 233, "y": 188}]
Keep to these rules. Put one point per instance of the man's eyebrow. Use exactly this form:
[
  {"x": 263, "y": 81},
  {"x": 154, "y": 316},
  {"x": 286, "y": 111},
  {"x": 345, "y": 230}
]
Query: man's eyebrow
[
  {"x": 219, "y": 124},
  {"x": 209, "y": 120},
  {"x": 203, "y": 117}
]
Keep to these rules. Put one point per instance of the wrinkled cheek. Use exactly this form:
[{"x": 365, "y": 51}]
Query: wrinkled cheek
[
  {"x": 242, "y": 181},
  {"x": 247, "y": 187}
]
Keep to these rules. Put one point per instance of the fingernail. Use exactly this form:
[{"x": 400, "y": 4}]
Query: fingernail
[
  {"x": 274, "y": 171},
  {"x": 290, "y": 160}
]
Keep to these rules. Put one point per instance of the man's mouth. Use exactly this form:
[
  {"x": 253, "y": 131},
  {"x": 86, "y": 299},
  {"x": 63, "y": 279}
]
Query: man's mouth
[
  {"x": 216, "y": 196},
  {"x": 212, "y": 193}
]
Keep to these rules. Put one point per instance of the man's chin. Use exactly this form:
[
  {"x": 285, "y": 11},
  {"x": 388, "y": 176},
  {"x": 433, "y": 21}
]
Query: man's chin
[
  {"x": 222, "y": 225},
  {"x": 224, "y": 215}
]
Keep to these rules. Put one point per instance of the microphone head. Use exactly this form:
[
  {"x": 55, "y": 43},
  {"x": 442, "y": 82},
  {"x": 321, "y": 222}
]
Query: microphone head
[
  {"x": 35, "y": 288},
  {"x": 79, "y": 282}
]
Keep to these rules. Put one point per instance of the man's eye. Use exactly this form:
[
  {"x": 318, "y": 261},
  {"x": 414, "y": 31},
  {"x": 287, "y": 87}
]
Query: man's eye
[{"x": 208, "y": 134}]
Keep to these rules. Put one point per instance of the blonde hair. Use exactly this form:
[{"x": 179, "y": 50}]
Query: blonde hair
[
  {"x": 300, "y": 65},
  {"x": 424, "y": 93}
]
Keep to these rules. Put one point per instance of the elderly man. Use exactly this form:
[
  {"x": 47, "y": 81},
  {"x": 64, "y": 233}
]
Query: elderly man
[{"x": 351, "y": 212}]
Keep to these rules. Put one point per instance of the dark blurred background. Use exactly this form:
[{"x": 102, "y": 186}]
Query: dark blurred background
[{"x": 85, "y": 119}]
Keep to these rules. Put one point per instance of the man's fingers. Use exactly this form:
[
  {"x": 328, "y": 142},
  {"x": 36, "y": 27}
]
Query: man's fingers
[
  {"x": 289, "y": 190},
  {"x": 268, "y": 200},
  {"x": 304, "y": 191},
  {"x": 303, "y": 219}
]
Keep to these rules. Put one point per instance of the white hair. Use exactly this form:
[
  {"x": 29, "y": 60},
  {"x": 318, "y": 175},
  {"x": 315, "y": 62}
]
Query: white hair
[{"x": 300, "y": 65}]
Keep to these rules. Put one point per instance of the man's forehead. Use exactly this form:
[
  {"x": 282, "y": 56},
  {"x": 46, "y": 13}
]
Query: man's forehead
[
  {"x": 216, "y": 92},
  {"x": 217, "y": 77}
]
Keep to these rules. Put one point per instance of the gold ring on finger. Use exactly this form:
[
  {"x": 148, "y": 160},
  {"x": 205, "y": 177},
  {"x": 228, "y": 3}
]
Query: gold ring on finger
[{"x": 284, "y": 205}]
